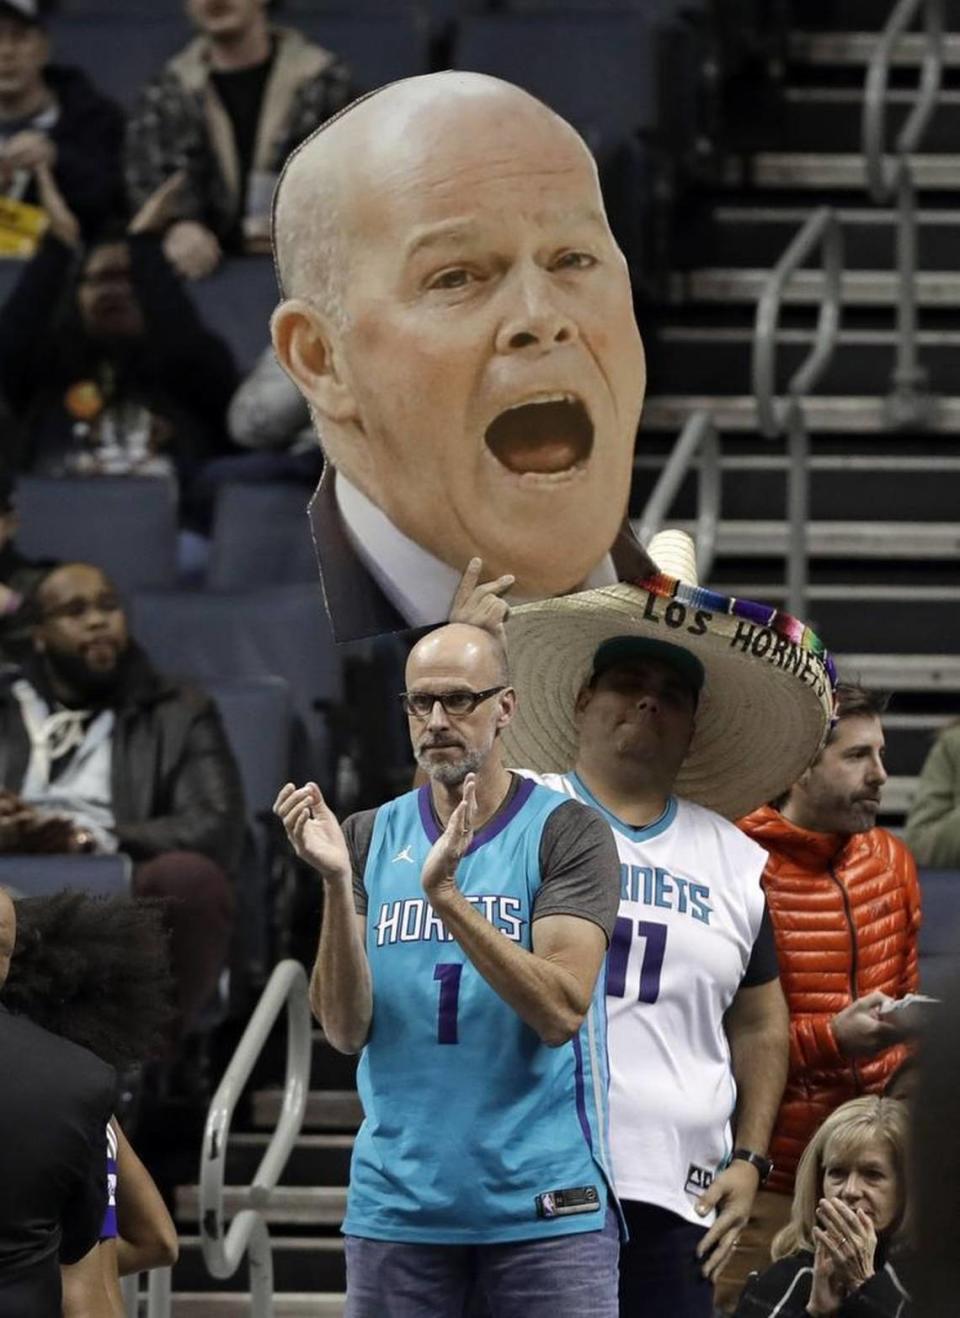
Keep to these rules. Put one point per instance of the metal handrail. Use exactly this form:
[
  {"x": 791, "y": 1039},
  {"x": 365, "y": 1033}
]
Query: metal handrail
[
  {"x": 908, "y": 404},
  {"x": 223, "y": 1251},
  {"x": 881, "y": 171},
  {"x": 697, "y": 440},
  {"x": 821, "y": 229},
  {"x": 159, "y": 1293},
  {"x": 784, "y": 417}
]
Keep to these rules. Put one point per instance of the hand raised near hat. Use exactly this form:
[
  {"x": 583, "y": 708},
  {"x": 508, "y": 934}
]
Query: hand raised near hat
[
  {"x": 479, "y": 603},
  {"x": 28, "y": 150},
  {"x": 440, "y": 867}
]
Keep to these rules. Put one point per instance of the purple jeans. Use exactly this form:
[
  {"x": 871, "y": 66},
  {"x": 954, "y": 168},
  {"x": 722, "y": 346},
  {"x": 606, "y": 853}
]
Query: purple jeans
[{"x": 558, "y": 1277}]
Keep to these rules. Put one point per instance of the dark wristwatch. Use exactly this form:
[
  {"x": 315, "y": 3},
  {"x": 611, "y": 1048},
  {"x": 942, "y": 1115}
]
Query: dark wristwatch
[{"x": 763, "y": 1165}]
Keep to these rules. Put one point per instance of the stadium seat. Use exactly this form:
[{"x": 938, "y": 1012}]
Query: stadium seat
[
  {"x": 378, "y": 47},
  {"x": 258, "y": 717},
  {"x": 598, "y": 70},
  {"x": 236, "y": 302},
  {"x": 940, "y": 928},
  {"x": 279, "y": 631},
  {"x": 37, "y": 876},
  {"x": 124, "y": 524},
  {"x": 261, "y": 537},
  {"x": 122, "y": 53}
]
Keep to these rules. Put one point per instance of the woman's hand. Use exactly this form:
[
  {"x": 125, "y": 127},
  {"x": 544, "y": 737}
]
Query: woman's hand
[
  {"x": 827, "y": 1292},
  {"x": 851, "y": 1239}
]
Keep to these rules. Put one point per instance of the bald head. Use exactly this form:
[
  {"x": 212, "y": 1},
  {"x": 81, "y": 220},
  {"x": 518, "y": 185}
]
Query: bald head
[
  {"x": 472, "y": 654},
  {"x": 8, "y": 933},
  {"x": 378, "y": 137}
]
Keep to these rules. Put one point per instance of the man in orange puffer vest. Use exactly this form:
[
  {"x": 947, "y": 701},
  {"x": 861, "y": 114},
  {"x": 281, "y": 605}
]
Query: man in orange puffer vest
[{"x": 845, "y": 905}]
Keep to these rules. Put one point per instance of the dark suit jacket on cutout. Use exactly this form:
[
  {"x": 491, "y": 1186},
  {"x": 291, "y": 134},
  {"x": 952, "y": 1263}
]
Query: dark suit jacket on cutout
[{"x": 356, "y": 605}]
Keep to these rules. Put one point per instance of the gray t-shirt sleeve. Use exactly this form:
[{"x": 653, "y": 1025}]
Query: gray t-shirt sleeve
[
  {"x": 358, "y": 830},
  {"x": 579, "y": 867}
]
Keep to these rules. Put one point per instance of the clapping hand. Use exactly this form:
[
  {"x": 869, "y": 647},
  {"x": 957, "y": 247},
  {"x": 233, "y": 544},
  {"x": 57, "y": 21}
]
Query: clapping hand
[
  {"x": 313, "y": 830},
  {"x": 440, "y": 867},
  {"x": 845, "y": 1246}
]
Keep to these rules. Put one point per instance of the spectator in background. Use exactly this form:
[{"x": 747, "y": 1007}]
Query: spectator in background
[
  {"x": 933, "y": 824},
  {"x": 848, "y": 1227},
  {"x": 96, "y": 971},
  {"x": 269, "y": 416},
  {"x": 119, "y": 375},
  {"x": 845, "y": 905},
  {"x": 228, "y": 109},
  {"x": 100, "y": 752},
  {"x": 52, "y": 115},
  {"x": 18, "y": 575},
  {"x": 55, "y": 1102}
]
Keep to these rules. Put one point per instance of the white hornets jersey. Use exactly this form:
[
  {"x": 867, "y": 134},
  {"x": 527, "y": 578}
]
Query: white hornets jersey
[{"x": 691, "y": 906}]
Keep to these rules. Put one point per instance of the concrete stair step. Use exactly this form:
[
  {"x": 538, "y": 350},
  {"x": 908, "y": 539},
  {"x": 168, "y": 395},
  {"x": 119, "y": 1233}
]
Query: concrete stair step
[
  {"x": 936, "y": 289},
  {"x": 326, "y": 1109},
  {"x": 841, "y": 539},
  {"x": 315, "y": 1160},
  {"x": 290, "y": 1205},
  {"x": 719, "y": 360},
  {"x": 300, "y": 1263},
  {"x": 830, "y": 119},
  {"x": 927, "y": 673},
  {"x": 855, "y": 15},
  {"x": 755, "y": 236},
  {"x": 835, "y": 492},
  {"x": 857, "y": 414},
  {"x": 838, "y": 171},
  {"x": 226, "y": 1304},
  {"x": 845, "y": 47}
]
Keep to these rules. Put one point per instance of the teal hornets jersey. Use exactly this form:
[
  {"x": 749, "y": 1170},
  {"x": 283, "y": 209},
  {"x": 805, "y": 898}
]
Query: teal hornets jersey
[{"x": 471, "y": 1123}]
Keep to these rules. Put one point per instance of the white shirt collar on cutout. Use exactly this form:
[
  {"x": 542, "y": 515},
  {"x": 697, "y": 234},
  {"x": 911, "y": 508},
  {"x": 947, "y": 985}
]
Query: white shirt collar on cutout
[{"x": 419, "y": 586}]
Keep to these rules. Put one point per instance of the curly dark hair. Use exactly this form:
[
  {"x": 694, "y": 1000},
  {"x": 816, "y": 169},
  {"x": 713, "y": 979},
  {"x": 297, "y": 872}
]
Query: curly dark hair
[{"x": 95, "y": 970}]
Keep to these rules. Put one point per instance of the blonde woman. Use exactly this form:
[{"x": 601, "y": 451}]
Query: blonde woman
[{"x": 840, "y": 1251}]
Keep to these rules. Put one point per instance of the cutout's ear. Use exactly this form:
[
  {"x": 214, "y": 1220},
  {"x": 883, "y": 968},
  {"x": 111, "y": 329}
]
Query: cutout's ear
[{"x": 307, "y": 350}]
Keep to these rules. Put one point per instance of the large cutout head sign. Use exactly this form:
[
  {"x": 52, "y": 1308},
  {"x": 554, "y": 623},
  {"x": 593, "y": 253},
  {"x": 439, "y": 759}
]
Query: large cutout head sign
[{"x": 459, "y": 317}]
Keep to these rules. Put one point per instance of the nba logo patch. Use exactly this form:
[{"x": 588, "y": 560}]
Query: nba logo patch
[{"x": 698, "y": 1179}]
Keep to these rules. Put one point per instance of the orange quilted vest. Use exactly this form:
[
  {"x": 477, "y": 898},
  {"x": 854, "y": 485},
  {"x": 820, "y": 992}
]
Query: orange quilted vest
[{"x": 845, "y": 912}]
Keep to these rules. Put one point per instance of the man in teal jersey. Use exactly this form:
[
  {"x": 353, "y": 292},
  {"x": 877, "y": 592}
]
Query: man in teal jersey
[{"x": 464, "y": 928}]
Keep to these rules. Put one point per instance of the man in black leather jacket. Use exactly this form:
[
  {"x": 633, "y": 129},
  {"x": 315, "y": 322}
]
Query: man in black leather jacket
[{"x": 99, "y": 752}]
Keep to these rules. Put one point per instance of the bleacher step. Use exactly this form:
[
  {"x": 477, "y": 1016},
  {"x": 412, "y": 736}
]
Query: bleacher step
[
  {"x": 327, "y": 1109},
  {"x": 289, "y": 1205},
  {"x": 315, "y": 1159},
  {"x": 862, "y": 288},
  {"x": 842, "y": 170},
  {"x": 228, "y": 1305},
  {"x": 886, "y": 540},
  {"x": 855, "y": 414},
  {"x": 902, "y": 672},
  {"x": 858, "y": 47},
  {"x": 300, "y": 1263}
]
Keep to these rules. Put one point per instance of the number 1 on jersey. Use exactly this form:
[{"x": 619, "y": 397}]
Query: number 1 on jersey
[
  {"x": 654, "y": 946},
  {"x": 448, "y": 974}
]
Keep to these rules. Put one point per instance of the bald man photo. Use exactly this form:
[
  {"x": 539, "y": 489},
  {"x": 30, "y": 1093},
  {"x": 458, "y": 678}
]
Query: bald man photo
[{"x": 459, "y": 318}]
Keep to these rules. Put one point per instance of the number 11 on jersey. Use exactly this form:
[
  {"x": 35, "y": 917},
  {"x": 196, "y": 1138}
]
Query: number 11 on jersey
[{"x": 654, "y": 945}]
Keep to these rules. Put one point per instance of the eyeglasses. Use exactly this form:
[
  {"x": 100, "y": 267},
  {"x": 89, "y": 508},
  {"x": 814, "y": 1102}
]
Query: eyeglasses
[
  {"x": 455, "y": 703},
  {"x": 79, "y": 608}
]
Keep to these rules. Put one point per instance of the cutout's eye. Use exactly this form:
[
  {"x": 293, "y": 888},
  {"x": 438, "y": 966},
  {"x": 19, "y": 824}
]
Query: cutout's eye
[
  {"x": 576, "y": 261},
  {"x": 451, "y": 279}
]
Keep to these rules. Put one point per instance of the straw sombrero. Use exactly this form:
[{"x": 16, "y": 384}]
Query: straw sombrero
[{"x": 768, "y": 691}]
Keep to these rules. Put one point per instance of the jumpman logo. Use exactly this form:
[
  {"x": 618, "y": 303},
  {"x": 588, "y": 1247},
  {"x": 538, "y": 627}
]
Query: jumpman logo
[{"x": 404, "y": 855}]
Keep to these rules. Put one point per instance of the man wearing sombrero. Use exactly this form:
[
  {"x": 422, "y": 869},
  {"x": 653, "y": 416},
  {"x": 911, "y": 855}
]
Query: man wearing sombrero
[{"x": 672, "y": 710}]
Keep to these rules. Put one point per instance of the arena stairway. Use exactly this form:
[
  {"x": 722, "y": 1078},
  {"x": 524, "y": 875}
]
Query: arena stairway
[
  {"x": 884, "y": 531},
  {"x": 306, "y": 1211}
]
